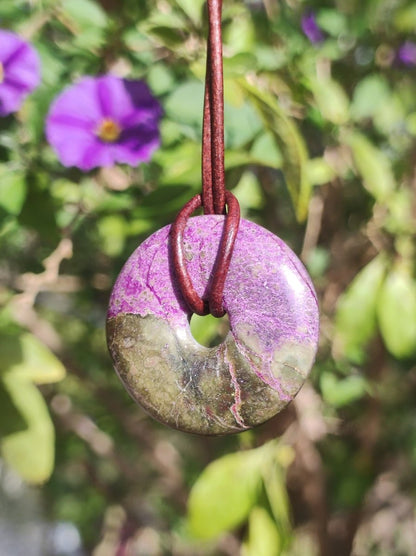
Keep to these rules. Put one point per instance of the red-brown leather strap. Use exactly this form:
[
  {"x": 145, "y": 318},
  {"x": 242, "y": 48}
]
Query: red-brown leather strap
[{"x": 214, "y": 198}]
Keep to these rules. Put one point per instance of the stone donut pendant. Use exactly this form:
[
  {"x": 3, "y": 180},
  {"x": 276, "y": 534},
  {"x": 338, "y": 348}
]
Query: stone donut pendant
[{"x": 263, "y": 361}]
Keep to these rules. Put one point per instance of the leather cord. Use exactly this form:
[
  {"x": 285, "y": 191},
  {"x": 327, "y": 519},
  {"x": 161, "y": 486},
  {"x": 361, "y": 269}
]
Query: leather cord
[{"x": 214, "y": 199}]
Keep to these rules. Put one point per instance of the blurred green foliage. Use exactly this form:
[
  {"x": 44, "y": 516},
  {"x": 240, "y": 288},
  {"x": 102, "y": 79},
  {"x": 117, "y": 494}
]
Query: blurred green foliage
[{"x": 320, "y": 148}]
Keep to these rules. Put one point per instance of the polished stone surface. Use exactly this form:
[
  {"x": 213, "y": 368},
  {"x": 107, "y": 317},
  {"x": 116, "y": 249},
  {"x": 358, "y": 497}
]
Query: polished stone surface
[{"x": 266, "y": 356}]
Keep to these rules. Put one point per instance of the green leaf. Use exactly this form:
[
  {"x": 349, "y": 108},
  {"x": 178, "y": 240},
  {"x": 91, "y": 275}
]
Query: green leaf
[
  {"x": 373, "y": 165},
  {"x": 241, "y": 125},
  {"x": 400, "y": 220},
  {"x": 12, "y": 189},
  {"x": 25, "y": 357},
  {"x": 9, "y": 9},
  {"x": 405, "y": 19},
  {"x": 319, "y": 171},
  {"x": 370, "y": 96},
  {"x": 339, "y": 393},
  {"x": 274, "y": 478},
  {"x": 266, "y": 151},
  {"x": 224, "y": 494},
  {"x": 185, "y": 103},
  {"x": 396, "y": 310},
  {"x": 181, "y": 164},
  {"x": 205, "y": 329},
  {"x": 332, "y": 100},
  {"x": 240, "y": 35},
  {"x": 29, "y": 452},
  {"x": 248, "y": 192},
  {"x": 160, "y": 79},
  {"x": 112, "y": 230},
  {"x": 332, "y": 21},
  {"x": 168, "y": 28},
  {"x": 290, "y": 144},
  {"x": 391, "y": 116},
  {"x": 11, "y": 420},
  {"x": 84, "y": 13},
  {"x": 38, "y": 211},
  {"x": 263, "y": 537},
  {"x": 192, "y": 8},
  {"x": 355, "y": 320},
  {"x": 87, "y": 20},
  {"x": 52, "y": 66},
  {"x": 239, "y": 65}
]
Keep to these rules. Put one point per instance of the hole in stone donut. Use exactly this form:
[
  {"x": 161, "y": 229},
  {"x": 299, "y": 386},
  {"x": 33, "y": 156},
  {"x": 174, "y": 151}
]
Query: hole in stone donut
[{"x": 209, "y": 331}]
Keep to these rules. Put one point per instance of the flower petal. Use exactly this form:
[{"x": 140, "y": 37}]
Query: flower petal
[
  {"x": 78, "y": 102},
  {"x": 141, "y": 97},
  {"x": 9, "y": 43},
  {"x": 21, "y": 71},
  {"x": 138, "y": 143},
  {"x": 77, "y": 113},
  {"x": 10, "y": 99},
  {"x": 70, "y": 147},
  {"x": 98, "y": 154}
]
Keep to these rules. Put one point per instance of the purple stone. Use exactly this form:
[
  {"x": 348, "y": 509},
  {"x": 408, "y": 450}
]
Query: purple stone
[{"x": 262, "y": 363}]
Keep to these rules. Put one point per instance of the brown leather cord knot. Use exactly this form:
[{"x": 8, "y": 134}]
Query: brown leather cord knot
[{"x": 214, "y": 198}]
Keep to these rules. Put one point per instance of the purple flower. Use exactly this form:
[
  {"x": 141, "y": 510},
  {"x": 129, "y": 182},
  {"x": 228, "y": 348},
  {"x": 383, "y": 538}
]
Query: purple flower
[
  {"x": 19, "y": 71},
  {"x": 407, "y": 53},
  {"x": 311, "y": 28},
  {"x": 103, "y": 120}
]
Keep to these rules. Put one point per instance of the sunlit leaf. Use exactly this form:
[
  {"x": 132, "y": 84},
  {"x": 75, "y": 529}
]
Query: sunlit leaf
[
  {"x": 248, "y": 192},
  {"x": 290, "y": 143},
  {"x": 160, "y": 79},
  {"x": 185, "y": 103},
  {"x": 370, "y": 95},
  {"x": 240, "y": 36},
  {"x": 11, "y": 420},
  {"x": 12, "y": 189},
  {"x": 112, "y": 230},
  {"x": 396, "y": 309},
  {"x": 181, "y": 165},
  {"x": 274, "y": 479},
  {"x": 332, "y": 21},
  {"x": 242, "y": 124},
  {"x": 332, "y": 100},
  {"x": 319, "y": 171},
  {"x": 25, "y": 357},
  {"x": 265, "y": 149},
  {"x": 263, "y": 536},
  {"x": 400, "y": 219},
  {"x": 339, "y": 393},
  {"x": 207, "y": 329},
  {"x": 167, "y": 28},
  {"x": 224, "y": 494},
  {"x": 239, "y": 65},
  {"x": 405, "y": 18},
  {"x": 192, "y": 8},
  {"x": 30, "y": 452},
  {"x": 84, "y": 13},
  {"x": 373, "y": 165},
  {"x": 355, "y": 320}
]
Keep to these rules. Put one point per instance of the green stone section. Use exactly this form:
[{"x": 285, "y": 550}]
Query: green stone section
[{"x": 209, "y": 391}]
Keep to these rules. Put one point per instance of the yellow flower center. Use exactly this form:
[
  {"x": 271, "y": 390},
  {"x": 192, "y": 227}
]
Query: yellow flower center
[
  {"x": 108, "y": 130},
  {"x": 1, "y": 73}
]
